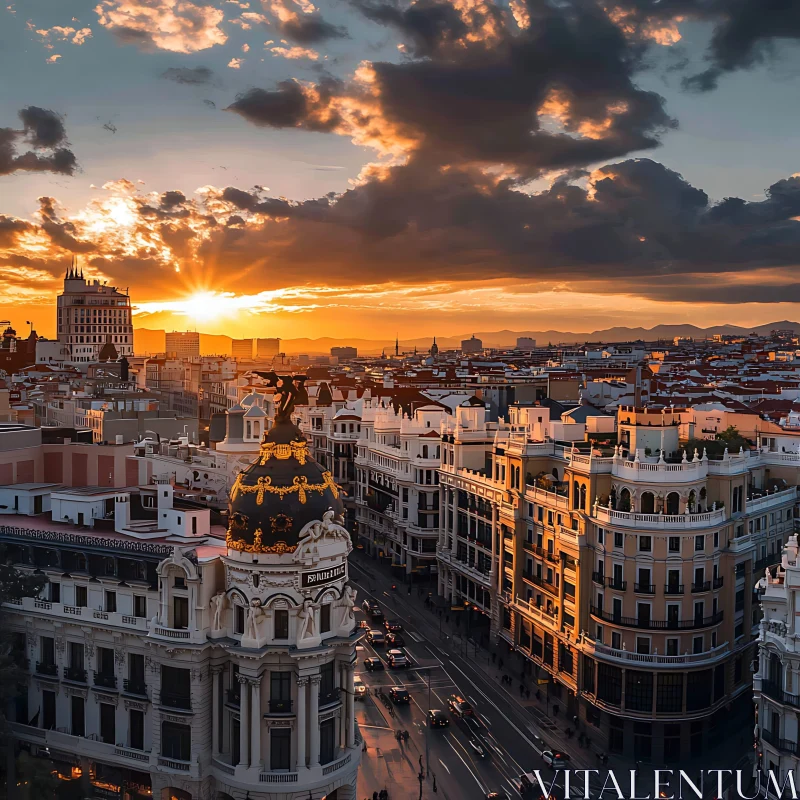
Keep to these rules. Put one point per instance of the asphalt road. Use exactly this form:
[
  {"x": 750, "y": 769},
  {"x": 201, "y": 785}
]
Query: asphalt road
[{"x": 515, "y": 739}]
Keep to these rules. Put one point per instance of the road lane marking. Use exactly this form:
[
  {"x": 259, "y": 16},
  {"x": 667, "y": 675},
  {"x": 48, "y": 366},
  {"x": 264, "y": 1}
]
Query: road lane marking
[
  {"x": 445, "y": 766},
  {"x": 480, "y": 785},
  {"x": 415, "y": 636}
]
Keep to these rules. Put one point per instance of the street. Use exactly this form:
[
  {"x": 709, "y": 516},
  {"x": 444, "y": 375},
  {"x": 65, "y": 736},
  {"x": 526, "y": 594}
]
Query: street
[{"x": 515, "y": 741}]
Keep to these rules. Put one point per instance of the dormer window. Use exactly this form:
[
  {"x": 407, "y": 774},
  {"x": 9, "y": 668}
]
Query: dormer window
[{"x": 180, "y": 582}]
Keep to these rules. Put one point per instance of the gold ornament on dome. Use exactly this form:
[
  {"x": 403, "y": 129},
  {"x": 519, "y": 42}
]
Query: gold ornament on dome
[
  {"x": 300, "y": 485},
  {"x": 297, "y": 450},
  {"x": 279, "y": 548}
]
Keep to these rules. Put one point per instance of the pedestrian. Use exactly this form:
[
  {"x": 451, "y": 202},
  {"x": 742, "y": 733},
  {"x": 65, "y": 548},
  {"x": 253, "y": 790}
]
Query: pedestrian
[
  {"x": 375, "y": 796},
  {"x": 500, "y": 664}
]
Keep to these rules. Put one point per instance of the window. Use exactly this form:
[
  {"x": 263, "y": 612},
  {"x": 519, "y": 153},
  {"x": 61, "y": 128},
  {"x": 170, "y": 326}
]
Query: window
[
  {"x": 176, "y": 741},
  {"x": 609, "y": 684},
  {"x": 281, "y": 623},
  {"x": 642, "y": 645},
  {"x": 588, "y": 674},
  {"x": 325, "y": 618},
  {"x": 699, "y": 543},
  {"x": 81, "y": 597},
  {"x": 105, "y": 661},
  {"x": 672, "y": 647},
  {"x": 108, "y": 715},
  {"x": 619, "y": 539},
  {"x": 47, "y": 649},
  {"x": 175, "y": 687},
  {"x": 180, "y": 615},
  {"x": 674, "y": 544},
  {"x": 136, "y": 729},
  {"x": 698, "y": 690},
  {"x": 600, "y": 536},
  {"x": 48, "y": 710},
  {"x": 78, "y": 718},
  {"x": 139, "y": 605},
  {"x": 75, "y": 655},
  {"x": 55, "y": 592},
  {"x": 238, "y": 619},
  {"x": 638, "y": 690},
  {"x": 697, "y": 644},
  {"x": 280, "y": 749},
  {"x": 280, "y": 691},
  {"x": 645, "y": 544},
  {"x": 669, "y": 692},
  {"x": 327, "y": 741},
  {"x": 111, "y": 601}
]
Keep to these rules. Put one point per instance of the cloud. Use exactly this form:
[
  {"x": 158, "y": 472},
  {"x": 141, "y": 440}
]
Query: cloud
[
  {"x": 177, "y": 26},
  {"x": 479, "y": 90},
  {"x": 294, "y": 52},
  {"x": 236, "y": 63},
  {"x": 193, "y": 76},
  {"x": 300, "y": 21},
  {"x": 44, "y": 131},
  {"x": 77, "y": 36}
]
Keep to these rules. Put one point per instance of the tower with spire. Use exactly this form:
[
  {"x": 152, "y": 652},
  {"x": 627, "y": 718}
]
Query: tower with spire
[
  {"x": 434, "y": 351},
  {"x": 397, "y": 345}
]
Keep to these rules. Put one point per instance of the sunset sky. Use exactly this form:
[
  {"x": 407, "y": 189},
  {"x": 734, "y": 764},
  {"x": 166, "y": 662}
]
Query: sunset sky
[{"x": 364, "y": 167}]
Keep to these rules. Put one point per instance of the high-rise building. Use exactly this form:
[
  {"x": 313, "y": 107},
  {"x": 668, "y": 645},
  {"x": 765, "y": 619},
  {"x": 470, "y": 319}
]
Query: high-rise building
[
  {"x": 90, "y": 316},
  {"x": 242, "y": 348},
  {"x": 525, "y": 343},
  {"x": 344, "y": 352},
  {"x": 183, "y": 344},
  {"x": 265, "y": 348},
  {"x": 471, "y": 345}
]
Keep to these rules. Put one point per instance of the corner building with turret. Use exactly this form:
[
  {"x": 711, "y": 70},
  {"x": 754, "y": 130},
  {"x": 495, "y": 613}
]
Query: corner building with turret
[{"x": 173, "y": 658}]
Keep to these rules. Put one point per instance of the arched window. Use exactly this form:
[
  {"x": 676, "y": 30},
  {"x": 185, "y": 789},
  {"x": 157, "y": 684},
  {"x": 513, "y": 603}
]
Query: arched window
[
  {"x": 249, "y": 429},
  {"x": 625, "y": 500},
  {"x": 424, "y": 451},
  {"x": 576, "y": 494},
  {"x": 648, "y": 505},
  {"x": 673, "y": 503},
  {"x": 583, "y": 498},
  {"x": 692, "y": 500}
]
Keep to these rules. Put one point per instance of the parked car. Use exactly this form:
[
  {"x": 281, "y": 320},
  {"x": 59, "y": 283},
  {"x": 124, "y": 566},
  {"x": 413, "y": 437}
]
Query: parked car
[
  {"x": 437, "y": 719},
  {"x": 395, "y": 640},
  {"x": 397, "y": 659},
  {"x": 459, "y": 706},
  {"x": 373, "y": 664},
  {"x": 376, "y": 638},
  {"x": 399, "y": 695},
  {"x": 359, "y": 688},
  {"x": 392, "y": 626},
  {"x": 555, "y": 759}
]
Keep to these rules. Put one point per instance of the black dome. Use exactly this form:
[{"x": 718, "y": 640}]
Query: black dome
[{"x": 279, "y": 494}]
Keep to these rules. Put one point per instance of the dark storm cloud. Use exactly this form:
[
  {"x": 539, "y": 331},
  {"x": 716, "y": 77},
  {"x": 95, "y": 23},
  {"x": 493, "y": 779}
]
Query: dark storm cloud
[
  {"x": 61, "y": 233},
  {"x": 194, "y": 76},
  {"x": 311, "y": 29},
  {"x": 489, "y": 97},
  {"x": 636, "y": 225},
  {"x": 43, "y": 130},
  {"x": 288, "y": 106},
  {"x": 10, "y": 228}
]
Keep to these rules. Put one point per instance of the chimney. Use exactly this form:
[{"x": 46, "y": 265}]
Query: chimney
[{"x": 122, "y": 512}]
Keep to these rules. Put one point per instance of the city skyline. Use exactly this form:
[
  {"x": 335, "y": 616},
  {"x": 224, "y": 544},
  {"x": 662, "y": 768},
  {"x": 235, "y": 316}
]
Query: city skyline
[{"x": 368, "y": 169}]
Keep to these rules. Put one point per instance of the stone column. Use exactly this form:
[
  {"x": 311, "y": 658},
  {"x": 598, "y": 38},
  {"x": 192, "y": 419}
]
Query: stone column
[
  {"x": 302, "y": 684},
  {"x": 244, "y": 722},
  {"x": 351, "y": 705},
  {"x": 255, "y": 722},
  {"x": 215, "y": 743},
  {"x": 313, "y": 721}
]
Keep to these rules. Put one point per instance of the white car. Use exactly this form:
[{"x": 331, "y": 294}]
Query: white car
[
  {"x": 359, "y": 688},
  {"x": 555, "y": 760},
  {"x": 397, "y": 659}
]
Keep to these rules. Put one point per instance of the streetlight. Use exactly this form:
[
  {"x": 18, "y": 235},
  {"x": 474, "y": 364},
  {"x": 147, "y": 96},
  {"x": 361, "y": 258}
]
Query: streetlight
[{"x": 428, "y": 720}]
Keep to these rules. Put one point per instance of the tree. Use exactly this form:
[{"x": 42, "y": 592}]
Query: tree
[{"x": 14, "y": 585}]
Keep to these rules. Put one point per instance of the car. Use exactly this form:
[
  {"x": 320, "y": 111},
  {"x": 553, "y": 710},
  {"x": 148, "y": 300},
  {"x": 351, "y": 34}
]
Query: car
[
  {"x": 395, "y": 640},
  {"x": 363, "y": 625},
  {"x": 437, "y": 719},
  {"x": 399, "y": 695},
  {"x": 494, "y": 796},
  {"x": 478, "y": 748},
  {"x": 377, "y": 615},
  {"x": 555, "y": 759},
  {"x": 392, "y": 626},
  {"x": 373, "y": 664},
  {"x": 368, "y": 606},
  {"x": 397, "y": 659},
  {"x": 359, "y": 688},
  {"x": 459, "y": 706},
  {"x": 375, "y": 638}
]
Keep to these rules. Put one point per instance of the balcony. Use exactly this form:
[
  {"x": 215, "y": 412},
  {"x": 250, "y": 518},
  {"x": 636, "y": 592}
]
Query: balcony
[
  {"x": 135, "y": 686},
  {"x": 233, "y": 697},
  {"x": 784, "y": 745},
  {"x": 75, "y": 674},
  {"x": 644, "y": 588},
  {"x": 774, "y": 691},
  {"x": 628, "y": 519},
  {"x": 51, "y": 670},
  {"x": 654, "y": 624},
  {"x": 329, "y": 698},
  {"x": 281, "y": 706},
  {"x": 87, "y": 615},
  {"x": 673, "y": 588},
  {"x": 598, "y": 578},
  {"x": 705, "y": 586},
  {"x": 106, "y": 681},
  {"x": 717, "y": 583},
  {"x": 176, "y": 700},
  {"x": 652, "y": 659},
  {"x": 616, "y": 583}
]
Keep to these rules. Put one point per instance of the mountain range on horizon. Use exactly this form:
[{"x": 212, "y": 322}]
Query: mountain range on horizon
[{"x": 154, "y": 341}]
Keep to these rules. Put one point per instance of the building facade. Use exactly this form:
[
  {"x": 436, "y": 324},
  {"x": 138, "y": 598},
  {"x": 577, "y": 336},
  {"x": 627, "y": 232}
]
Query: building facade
[
  {"x": 267, "y": 348},
  {"x": 183, "y": 344},
  {"x": 90, "y": 315},
  {"x": 168, "y": 658},
  {"x": 623, "y": 574},
  {"x": 242, "y": 349}
]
